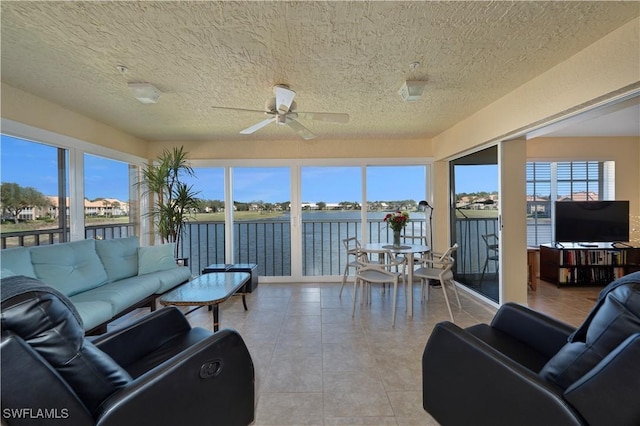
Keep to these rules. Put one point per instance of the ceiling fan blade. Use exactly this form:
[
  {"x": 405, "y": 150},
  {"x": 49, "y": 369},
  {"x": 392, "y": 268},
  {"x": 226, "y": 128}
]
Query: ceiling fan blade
[
  {"x": 240, "y": 109},
  {"x": 302, "y": 131},
  {"x": 284, "y": 98},
  {"x": 257, "y": 126},
  {"x": 331, "y": 117}
]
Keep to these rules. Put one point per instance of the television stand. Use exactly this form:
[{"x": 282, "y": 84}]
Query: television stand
[{"x": 579, "y": 264}]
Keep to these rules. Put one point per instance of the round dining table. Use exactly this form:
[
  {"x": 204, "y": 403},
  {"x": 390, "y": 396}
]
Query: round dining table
[{"x": 408, "y": 250}]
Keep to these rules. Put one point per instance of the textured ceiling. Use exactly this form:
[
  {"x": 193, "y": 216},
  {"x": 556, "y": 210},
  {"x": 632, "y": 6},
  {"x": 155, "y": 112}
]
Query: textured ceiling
[{"x": 349, "y": 57}]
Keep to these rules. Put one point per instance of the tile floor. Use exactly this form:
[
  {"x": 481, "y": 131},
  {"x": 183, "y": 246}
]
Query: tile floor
[{"x": 316, "y": 365}]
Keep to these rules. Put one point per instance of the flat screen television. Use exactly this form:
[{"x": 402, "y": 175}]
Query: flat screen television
[{"x": 592, "y": 221}]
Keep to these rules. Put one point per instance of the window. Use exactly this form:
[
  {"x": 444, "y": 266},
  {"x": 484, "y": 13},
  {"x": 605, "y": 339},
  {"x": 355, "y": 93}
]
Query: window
[
  {"x": 203, "y": 242},
  {"x": 261, "y": 220},
  {"x": 109, "y": 206},
  {"x": 290, "y": 219},
  {"x": 34, "y": 188},
  {"x": 392, "y": 188},
  {"x": 61, "y": 174},
  {"x": 562, "y": 181},
  {"x": 579, "y": 181},
  {"x": 331, "y": 199}
]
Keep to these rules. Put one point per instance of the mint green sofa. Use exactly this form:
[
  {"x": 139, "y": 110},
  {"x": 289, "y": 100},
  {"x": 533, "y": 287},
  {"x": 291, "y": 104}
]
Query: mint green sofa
[{"x": 103, "y": 278}]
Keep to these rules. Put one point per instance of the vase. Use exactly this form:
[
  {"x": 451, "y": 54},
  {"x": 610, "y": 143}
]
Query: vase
[{"x": 396, "y": 239}]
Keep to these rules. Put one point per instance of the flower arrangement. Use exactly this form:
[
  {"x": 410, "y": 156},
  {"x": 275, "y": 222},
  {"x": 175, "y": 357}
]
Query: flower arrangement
[{"x": 397, "y": 221}]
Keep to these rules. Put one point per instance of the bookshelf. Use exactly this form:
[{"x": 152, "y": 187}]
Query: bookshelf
[{"x": 574, "y": 264}]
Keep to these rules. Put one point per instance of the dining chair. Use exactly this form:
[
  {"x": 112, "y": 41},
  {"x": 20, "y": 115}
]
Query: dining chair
[
  {"x": 378, "y": 267},
  {"x": 438, "y": 267},
  {"x": 352, "y": 246},
  {"x": 415, "y": 239},
  {"x": 493, "y": 248}
]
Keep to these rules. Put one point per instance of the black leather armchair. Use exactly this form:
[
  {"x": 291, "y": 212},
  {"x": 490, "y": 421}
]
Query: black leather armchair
[
  {"x": 528, "y": 369},
  {"x": 158, "y": 370}
]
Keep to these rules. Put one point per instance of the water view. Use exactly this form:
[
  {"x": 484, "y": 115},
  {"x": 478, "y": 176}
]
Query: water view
[{"x": 267, "y": 242}]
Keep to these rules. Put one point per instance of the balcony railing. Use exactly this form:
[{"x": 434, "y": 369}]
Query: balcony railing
[
  {"x": 41, "y": 237},
  {"x": 109, "y": 232},
  {"x": 268, "y": 242},
  {"x": 472, "y": 251},
  {"x": 30, "y": 238}
]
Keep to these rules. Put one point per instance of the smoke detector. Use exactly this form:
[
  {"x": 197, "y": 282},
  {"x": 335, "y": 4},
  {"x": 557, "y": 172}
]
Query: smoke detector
[
  {"x": 146, "y": 93},
  {"x": 412, "y": 90}
]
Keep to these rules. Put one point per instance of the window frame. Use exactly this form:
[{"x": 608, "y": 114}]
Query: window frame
[
  {"x": 584, "y": 169},
  {"x": 76, "y": 149}
]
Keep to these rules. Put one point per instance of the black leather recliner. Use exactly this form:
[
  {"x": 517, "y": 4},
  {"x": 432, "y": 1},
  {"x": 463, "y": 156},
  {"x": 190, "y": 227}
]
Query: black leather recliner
[
  {"x": 528, "y": 369},
  {"x": 156, "y": 371}
]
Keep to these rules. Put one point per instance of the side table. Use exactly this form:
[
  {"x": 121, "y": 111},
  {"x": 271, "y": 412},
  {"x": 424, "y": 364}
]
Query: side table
[{"x": 251, "y": 268}]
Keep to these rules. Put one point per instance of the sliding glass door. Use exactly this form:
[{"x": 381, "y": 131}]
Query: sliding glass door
[
  {"x": 331, "y": 198},
  {"x": 291, "y": 219},
  {"x": 395, "y": 188},
  {"x": 262, "y": 218},
  {"x": 474, "y": 221}
]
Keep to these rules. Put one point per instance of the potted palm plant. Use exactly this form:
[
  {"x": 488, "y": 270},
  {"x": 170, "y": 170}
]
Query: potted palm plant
[{"x": 173, "y": 200}]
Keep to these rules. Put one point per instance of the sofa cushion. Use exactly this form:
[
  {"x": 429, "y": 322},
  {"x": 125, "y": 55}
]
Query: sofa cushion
[
  {"x": 93, "y": 313},
  {"x": 119, "y": 257},
  {"x": 18, "y": 261},
  {"x": 4, "y": 273},
  {"x": 171, "y": 277},
  {"x": 614, "y": 318},
  {"x": 120, "y": 294},
  {"x": 71, "y": 267},
  {"x": 156, "y": 258}
]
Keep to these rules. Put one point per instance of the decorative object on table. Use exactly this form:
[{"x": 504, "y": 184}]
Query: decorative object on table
[
  {"x": 173, "y": 200},
  {"x": 397, "y": 221}
]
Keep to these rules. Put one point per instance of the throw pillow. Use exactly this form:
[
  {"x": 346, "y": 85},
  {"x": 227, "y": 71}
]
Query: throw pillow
[
  {"x": 5, "y": 273},
  {"x": 119, "y": 257},
  {"x": 18, "y": 260},
  {"x": 156, "y": 258}
]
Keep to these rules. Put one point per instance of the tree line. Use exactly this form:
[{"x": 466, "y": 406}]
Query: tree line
[
  {"x": 14, "y": 199},
  {"x": 215, "y": 206}
]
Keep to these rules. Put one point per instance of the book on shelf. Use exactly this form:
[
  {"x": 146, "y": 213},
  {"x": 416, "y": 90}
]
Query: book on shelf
[
  {"x": 592, "y": 257},
  {"x": 576, "y": 274}
]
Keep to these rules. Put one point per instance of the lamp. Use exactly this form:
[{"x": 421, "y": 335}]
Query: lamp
[
  {"x": 423, "y": 206},
  {"x": 146, "y": 93}
]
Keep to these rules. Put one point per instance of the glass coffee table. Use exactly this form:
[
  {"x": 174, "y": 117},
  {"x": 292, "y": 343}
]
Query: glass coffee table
[{"x": 207, "y": 290}]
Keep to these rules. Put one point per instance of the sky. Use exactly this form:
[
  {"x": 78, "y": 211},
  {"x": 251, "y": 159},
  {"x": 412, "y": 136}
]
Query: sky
[{"x": 35, "y": 165}]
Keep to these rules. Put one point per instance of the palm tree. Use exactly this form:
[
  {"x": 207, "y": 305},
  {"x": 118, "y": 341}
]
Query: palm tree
[{"x": 174, "y": 200}]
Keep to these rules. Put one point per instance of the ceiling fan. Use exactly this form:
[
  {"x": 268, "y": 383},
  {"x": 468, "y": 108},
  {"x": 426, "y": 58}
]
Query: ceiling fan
[{"x": 281, "y": 110}]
